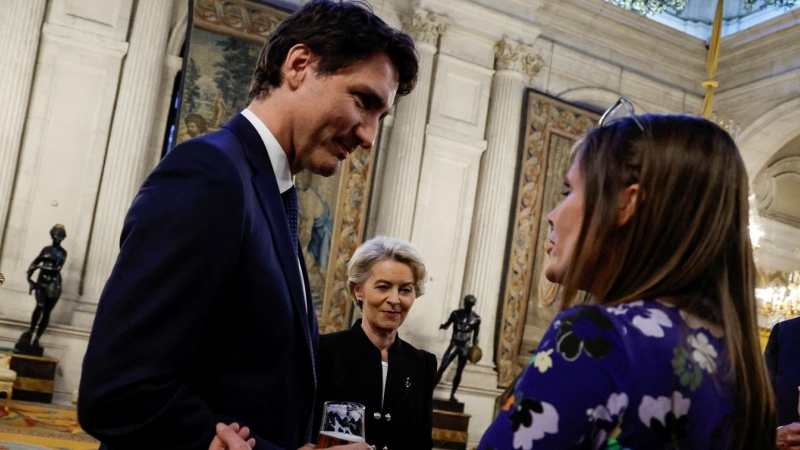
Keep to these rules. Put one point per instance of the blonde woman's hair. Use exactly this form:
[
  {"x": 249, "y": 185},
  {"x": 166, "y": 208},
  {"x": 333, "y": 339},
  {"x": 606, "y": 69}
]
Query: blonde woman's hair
[
  {"x": 382, "y": 248},
  {"x": 687, "y": 241}
]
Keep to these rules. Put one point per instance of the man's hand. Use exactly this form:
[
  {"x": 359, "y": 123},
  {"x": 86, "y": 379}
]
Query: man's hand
[
  {"x": 443, "y": 326},
  {"x": 788, "y": 437},
  {"x": 232, "y": 438}
]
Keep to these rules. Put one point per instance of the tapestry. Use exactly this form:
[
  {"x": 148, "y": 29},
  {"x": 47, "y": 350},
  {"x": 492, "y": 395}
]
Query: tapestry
[
  {"x": 223, "y": 44},
  {"x": 550, "y": 128}
]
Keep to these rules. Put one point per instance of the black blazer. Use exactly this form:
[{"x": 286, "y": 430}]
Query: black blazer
[
  {"x": 783, "y": 361},
  {"x": 203, "y": 317},
  {"x": 349, "y": 369}
]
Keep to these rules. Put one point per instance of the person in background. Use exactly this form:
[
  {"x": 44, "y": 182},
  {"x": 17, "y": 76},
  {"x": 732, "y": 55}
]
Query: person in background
[
  {"x": 783, "y": 363},
  {"x": 207, "y": 316},
  {"x": 656, "y": 345},
  {"x": 369, "y": 363}
]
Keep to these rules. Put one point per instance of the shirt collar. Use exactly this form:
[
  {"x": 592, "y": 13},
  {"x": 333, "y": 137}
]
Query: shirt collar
[{"x": 280, "y": 163}]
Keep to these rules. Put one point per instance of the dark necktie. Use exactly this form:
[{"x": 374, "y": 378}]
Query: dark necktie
[{"x": 290, "y": 205}]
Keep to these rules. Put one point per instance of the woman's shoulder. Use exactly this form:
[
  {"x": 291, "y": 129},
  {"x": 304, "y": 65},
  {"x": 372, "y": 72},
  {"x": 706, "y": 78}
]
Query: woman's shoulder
[
  {"x": 637, "y": 330},
  {"x": 653, "y": 318},
  {"x": 417, "y": 352},
  {"x": 336, "y": 335}
]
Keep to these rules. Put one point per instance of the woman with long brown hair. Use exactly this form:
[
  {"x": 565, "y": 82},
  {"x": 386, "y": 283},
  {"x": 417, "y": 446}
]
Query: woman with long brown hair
[{"x": 656, "y": 344}]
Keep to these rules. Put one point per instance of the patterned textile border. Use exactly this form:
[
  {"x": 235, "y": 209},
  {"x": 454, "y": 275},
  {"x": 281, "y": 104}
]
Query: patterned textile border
[
  {"x": 254, "y": 22},
  {"x": 240, "y": 18},
  {"x": 348, "y": 233},
  {"x": 542, "y": 114}
]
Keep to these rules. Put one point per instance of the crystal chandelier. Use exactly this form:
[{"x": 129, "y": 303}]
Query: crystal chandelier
[
  {"x": 779, "y": 298},
  {"x": 649, "y": 7},
  {"x": 728, "y": 125},
  {"x": 748, "y": 4}
]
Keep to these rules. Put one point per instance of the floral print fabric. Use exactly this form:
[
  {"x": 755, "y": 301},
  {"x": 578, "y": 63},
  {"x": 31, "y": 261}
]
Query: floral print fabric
[{"x": 642, "y": 375}]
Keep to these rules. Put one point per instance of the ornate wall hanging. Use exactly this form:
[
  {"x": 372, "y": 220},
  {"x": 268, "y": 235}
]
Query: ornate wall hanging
[{"x": 551, "y": 127}]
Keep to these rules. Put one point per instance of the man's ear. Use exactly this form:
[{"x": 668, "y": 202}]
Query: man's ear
[
  {"x": 296, "y": 65},
  {"x": 627, "y": 204}
]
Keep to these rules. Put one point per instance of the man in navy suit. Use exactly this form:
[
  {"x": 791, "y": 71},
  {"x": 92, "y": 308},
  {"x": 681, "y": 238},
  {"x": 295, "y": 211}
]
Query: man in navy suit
[
  {"x": 207, "y": 315},
  {"x": 783, "y": 362}
]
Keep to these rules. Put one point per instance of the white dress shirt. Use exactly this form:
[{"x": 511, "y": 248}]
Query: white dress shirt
[{"x": 280, "y": 165}]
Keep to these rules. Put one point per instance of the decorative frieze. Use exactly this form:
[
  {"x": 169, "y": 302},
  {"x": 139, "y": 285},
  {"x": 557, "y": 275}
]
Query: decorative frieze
[{"x": 242, "y": 18}]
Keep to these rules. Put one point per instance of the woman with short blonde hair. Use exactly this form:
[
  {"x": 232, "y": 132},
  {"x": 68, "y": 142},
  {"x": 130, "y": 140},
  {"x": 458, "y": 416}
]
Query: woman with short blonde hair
[{"x": 369, "y": 363}]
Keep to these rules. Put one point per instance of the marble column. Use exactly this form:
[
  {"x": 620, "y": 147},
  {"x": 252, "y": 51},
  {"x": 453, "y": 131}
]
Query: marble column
[
  {"x": 128, "y": 144},
  {"x": 404, "y": 157},
  {"x": 172, "y": 65},
  {"x": 20, "y": 29},
  {"x": 515, "y": 64}
]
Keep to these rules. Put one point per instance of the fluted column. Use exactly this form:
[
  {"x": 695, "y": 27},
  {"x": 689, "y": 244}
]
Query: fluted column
[
  {"x": 404, "y": 158},
  {"x": 20, "y": 29},
  {"x": 515, "y": 64},
  {"x": 130, "y": 137},
  {"x": 172, "y": 65}
]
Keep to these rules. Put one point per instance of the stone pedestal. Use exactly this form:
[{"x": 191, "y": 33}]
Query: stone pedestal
[
  {"x": 25, "y": 346},
  {"x": 450, "y": 428},
  {"x": 35, "y": 377},
  {"x": 448, "y": 405}
]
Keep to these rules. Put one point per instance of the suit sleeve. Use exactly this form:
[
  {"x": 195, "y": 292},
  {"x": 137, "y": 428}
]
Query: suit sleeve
[
  {"x": 179, "y": 248},
  {"x": 771, "y": 354},
  {"x": 425, "y": 432}
]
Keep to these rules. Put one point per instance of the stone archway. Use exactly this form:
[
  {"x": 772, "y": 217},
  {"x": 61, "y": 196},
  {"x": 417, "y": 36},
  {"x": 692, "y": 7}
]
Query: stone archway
[
  {"x": 768, "y": 134},
  {"x": 593, "y": 98}
]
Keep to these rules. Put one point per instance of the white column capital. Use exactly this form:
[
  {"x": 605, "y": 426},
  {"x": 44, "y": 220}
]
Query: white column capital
[
  {"x": 514, "y": 56},
  {"x": 424, "y": 26}
]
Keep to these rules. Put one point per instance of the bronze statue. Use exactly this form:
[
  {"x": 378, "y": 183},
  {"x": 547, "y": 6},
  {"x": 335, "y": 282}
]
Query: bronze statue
[
  {"x": 466, "y": 325},
  {"x": 48, "y": 289}
]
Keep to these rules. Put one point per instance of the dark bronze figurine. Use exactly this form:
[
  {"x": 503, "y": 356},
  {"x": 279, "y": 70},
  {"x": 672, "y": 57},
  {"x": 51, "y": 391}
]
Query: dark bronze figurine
[
  {"x": 466, "y": 325},
  {"x": 47, "y": 287}
]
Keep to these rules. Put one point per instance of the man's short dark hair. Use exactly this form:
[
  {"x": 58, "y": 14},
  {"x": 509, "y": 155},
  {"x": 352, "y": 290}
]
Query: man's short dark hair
[{"x": 340, "y": 33}]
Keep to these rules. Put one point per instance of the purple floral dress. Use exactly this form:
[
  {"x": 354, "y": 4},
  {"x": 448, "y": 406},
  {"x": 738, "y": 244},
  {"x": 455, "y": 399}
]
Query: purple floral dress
[{"x": 643, "y": 375}]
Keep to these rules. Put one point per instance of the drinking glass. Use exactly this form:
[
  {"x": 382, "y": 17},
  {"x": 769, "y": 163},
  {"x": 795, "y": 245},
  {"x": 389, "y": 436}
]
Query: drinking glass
[{"x": 342, "y": 424}]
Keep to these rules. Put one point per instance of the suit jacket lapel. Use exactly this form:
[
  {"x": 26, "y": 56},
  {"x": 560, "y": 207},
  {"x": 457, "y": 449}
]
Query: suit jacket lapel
[{"x": 266, "y": 188}]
